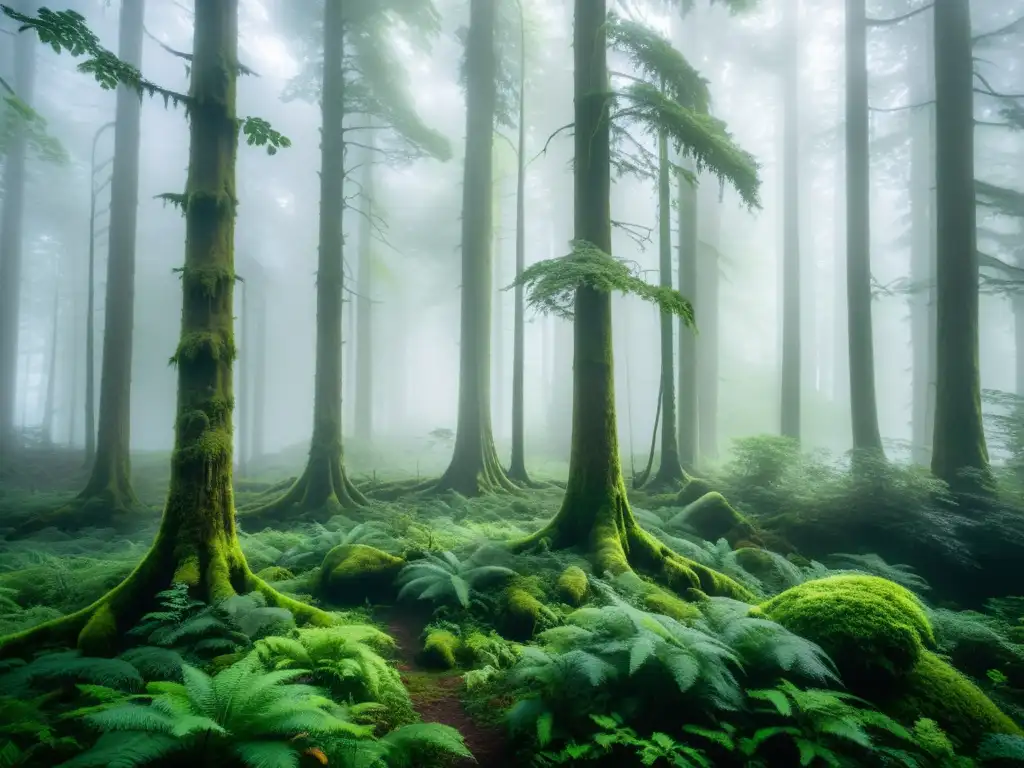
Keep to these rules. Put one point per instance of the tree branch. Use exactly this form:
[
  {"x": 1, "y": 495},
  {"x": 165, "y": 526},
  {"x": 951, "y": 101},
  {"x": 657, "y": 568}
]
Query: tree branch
[
  {"x": 897, "y": 19},
  {"x": 903, "y": 108}
]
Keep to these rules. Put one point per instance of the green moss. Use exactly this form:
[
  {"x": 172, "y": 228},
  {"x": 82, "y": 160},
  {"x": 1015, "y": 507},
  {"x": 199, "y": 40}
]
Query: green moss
[
  {"x": 660, "y": 601},
  {"x": 874, "y": 630},
  {"x": 275, "y": 573},
  {"x": 935, "y": 690},
  {"x": 712, "y": 517},
  {"x": 524, "y": 614},
  {"x": 99, "y": 636},
  {"x": 354, "y": 573},
  {"x": 213, "y": 345},
  {"x": 440, "y": 649},
  {"x": 572, "y": 585}
]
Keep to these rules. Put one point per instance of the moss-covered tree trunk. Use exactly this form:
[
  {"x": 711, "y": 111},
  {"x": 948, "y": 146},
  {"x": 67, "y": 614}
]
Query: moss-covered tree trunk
[
  {"x": 517, "y": 466},
  {"x": 670, "y": 471},
  {"x": 475, "y": 467},
  {"x": 364, "y": 305},
  {"x": 11, "y": 219},
  {"x": 595, "y": 512},
  {"x": 197, "y": 543},
  {"x": 790, "y": 380},
  {"x": 324, "y": 486},
  {"x": 959, "y": 440},
  {"x": 863, "y": 404}
]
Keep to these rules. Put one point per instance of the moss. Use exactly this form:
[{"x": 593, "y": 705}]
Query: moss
[
  {"x": 524, "y": 614},
  {"x": 935, "y": 690},
  {"x": 353, "y": 573},
  {"x": 660, "y": 601},
  {"x": 874, "y": 630},
  {"x": 712, "y": 517},
  {"x": 440, "y": 649},
  {"x": 572, "y": 585},
  {"x": 275, "y": 573}
]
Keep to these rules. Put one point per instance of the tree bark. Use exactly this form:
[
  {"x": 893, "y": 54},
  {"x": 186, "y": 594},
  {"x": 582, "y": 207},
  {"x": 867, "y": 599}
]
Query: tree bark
[
  {"x": 364, "y": 303},
  {"x": 51, "y": 375},
  {"x": 244, "y": 375},
  {"x": 517, "y": 465},
  {"x": 670, "y": 471},
  {"x": 708, "y": 266},
  {"x": 324, "y": 487},
  {"x": 109, "y": 484},
  {"x": 11, "y": 221},
  {"x": 863, "y": 405},
  {"x": 197, "y": 543},
  {"x": 790, "y": 380},
  {"x": 689, "y": 413},
  {"x": 474, "y": 467},
  {"x": 959, "y": 441},
  {"x": 922, "y": 258}
]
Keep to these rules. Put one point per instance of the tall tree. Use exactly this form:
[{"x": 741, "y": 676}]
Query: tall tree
[
  {"x": 11, "y": 220},
  {"x": 364, "y": 301},
  {"x": 959, "y": 452},
  {"x": 475, "y": 467},
  {"x": 707, "y": 309},
  {"x": 790, "y": 381},
  {"x": 863, "y": 405},
  {"x": 197, "y": 543},
  {"x": 595, "y": 513}
]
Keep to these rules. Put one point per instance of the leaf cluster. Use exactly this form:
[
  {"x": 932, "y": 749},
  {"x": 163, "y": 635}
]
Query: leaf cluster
[
  {"x": 444, "y": 578},
  {"x": 552, "y": 284}
]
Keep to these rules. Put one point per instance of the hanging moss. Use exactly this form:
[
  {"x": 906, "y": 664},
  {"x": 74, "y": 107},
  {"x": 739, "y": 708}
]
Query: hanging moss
[{"x": 216, "y": 346}]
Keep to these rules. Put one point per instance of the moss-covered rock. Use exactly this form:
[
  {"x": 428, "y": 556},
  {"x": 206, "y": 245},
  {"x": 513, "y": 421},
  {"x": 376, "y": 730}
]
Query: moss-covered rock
[
  {"x": 712, "y": 517},
  {"x": 874, "y": 630},
  {"x": 572, "y": 585},
  {"x": 523, "y": 614},
  {"x": 440, "y": 649},
  {"x": 354, "y": 573},
  {"x": 935, "y": 690},
  {"x": 275, "y": 573}
]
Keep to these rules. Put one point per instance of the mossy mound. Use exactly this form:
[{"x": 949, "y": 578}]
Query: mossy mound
[
  {"x": 523, "y": 615},
  {"x": 440, "y": 649},
  {"x": 354, "y": 573},
  {"x": 712, "y": 517},
  {"x": 874, "y": 630},
  {"x": 660, "y": 601},
  {"x": 935, "y": 690},
  {"x": 275, "y": 573},
  {"x": 572, "y": 585}
]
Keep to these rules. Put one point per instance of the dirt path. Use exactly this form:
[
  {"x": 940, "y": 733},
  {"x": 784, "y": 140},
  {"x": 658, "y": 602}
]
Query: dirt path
[{"x": 435, "y": 696}]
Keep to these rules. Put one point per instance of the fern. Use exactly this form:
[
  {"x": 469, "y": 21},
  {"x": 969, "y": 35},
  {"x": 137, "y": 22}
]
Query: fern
[
  {"x": 874, "y": 565},
  {"x": 614, "y": 737},
  {"x": 244, "y": 714},
  {"x": 67, "y": 668},
  {"x": 1001, "y": 746},
  {"x": 444, "y": 578},
  {"x": 409, "y": 746},
  {"x": 343, "y": 660}
]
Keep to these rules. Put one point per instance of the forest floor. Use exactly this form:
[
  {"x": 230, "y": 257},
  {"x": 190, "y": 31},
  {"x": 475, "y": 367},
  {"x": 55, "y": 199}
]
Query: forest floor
[{"x": 437, "y": 696}]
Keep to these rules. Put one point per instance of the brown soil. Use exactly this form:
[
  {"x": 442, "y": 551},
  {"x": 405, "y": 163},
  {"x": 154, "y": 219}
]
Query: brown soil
[{"x": 436, "y": 697}]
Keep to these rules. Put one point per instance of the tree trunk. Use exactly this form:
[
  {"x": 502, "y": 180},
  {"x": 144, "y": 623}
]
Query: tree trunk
[
  {"x": 595, "y": 512},
  {"x": 959, "y": 441},
  {"x": 863, "y": 405},
  {"x": 51, "y": 375},
  {"x": 72, "y": 352},
  {"x": 688, "y": 419},
  {"x": 475, "y": 467},
  {"x": 197, "y": 543},
  {"x": 922, "y": 259},
  {"x": 324, "y": 487},
  {"x": 244, "y": 375},
  {"x": 790, "y": 381},
  {"x": 498, "y": 327},
  {"x": 11, "y": 220},
  {"x": 109, "y": 485},
  {"x": 708, "y": 267},
  {"x": 517, "y": 466},
  {"x": 257, "y": 298},
  {"x": 364, "y": 304},
  {"x": 670, "y": 471},
  {"x": 1018, "y": 339},
  {"x": 841, "y": 337}
]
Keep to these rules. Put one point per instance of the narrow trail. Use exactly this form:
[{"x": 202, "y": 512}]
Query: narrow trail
[{"x": 435, "y": 696}]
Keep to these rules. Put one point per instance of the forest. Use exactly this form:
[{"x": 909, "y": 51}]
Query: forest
[{"x": 415, "y": 383}]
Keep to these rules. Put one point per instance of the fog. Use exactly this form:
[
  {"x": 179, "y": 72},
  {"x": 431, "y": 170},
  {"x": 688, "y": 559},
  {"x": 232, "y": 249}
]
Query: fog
[{"x": 416, "y": 233}]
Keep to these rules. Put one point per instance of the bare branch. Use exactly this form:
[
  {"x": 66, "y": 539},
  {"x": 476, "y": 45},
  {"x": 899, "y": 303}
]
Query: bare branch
[{"x": 898, "y": 19}]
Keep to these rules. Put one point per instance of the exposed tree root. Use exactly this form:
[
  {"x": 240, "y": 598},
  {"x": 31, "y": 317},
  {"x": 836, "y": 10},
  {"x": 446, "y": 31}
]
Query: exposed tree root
[
  {"x": 476, "y": 472},
  {"x": 215, "y": 569},
  {"x": 392, "y": 491},
  {"x": 108, "y": 507},
  {"x": 608, "y": 532},
  {"x": 321, "y": 492}
]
